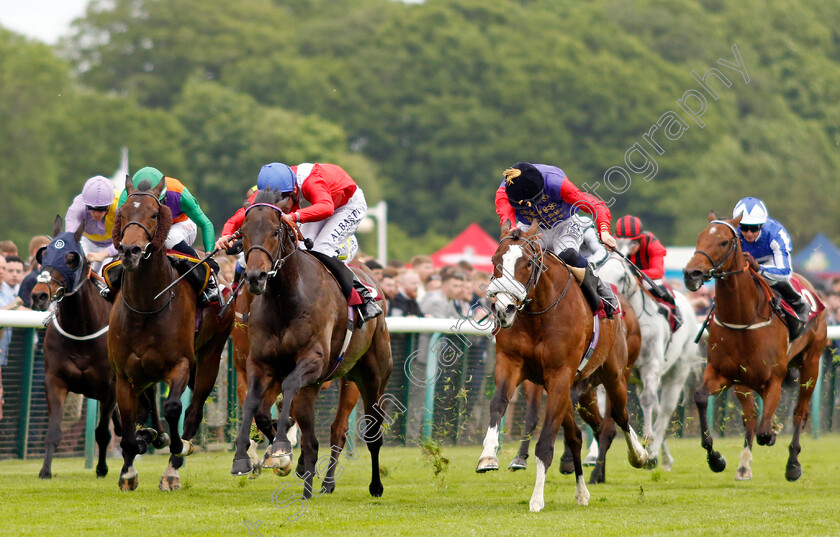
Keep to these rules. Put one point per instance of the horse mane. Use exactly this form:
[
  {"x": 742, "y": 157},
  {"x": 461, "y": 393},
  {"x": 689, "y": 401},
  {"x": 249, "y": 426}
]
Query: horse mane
[
  {"x": 164, "y": 225},
  {"x": 269, "y": 195}
]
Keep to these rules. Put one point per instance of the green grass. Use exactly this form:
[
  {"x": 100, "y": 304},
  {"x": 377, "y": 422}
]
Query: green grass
[{"x": 690, "y": 500}]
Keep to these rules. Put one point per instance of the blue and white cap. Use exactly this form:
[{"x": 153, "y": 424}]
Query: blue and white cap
[{"x": 753, "y": 210}]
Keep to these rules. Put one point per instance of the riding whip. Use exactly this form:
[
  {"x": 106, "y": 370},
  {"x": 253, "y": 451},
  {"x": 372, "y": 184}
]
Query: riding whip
[
  {"x": 231, "y": 299},
  {"x": 192, "y": 268},
  {"x": 660, "y": 292},
  {"x": 705, "y": 322}
]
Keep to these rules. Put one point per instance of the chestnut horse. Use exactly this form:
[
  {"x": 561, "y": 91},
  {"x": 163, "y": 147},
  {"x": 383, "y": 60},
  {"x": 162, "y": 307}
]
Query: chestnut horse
[
  {"x": 533, "y": 397},
  {"x": 75, "y": 346},
  {"x": 748, "y": 345},
  {"x": 546, "y": 345},
  {"x": 347, "y": 400},
  {"x": 297, "y": 327},
  {"x": 153, "y": 340}
]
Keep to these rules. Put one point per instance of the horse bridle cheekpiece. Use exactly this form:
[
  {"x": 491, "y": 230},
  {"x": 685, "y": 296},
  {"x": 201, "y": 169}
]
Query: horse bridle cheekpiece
[
  {"x": 146, "y": 252},
  {"x": 509, "y": 285},
  {"x": 731, "y": 249},
  {"x": 278, "y": 258},
  {"x": 55, "y": 256}
]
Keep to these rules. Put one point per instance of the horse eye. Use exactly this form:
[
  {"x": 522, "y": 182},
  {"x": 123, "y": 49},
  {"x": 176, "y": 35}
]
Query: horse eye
[
  {"x": 154, "y": 216},
  {"x": 724, "y": 243},
  {"x": 277, "y": 232},
  {"x": 530, "y": 264}
]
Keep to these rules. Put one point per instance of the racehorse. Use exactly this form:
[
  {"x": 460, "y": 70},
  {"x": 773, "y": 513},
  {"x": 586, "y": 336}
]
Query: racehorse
[
  {"x": 155, "y": 339},
  {"x": 749, "y": 345},
  {"x": 75, "y": 349},
  {"x": 546, "y": 345},
  {"x": 665, "y": 360},
  {"x": 298, "y": 323},
  {"x": 348, "y": 397},
  {"x": 533, "y": 397}
]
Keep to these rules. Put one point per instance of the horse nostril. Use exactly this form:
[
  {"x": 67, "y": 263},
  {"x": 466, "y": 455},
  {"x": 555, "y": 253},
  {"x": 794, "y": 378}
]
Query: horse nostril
[{"x": 509, "y": 309}]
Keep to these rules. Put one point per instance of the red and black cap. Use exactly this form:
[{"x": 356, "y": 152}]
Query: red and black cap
[
  {"x": 628, "y": 227},
  {"x": 524, "y": 184}
]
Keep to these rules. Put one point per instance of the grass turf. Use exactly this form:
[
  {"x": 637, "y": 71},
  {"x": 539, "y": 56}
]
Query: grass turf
[{"x": 689, "y": 500}]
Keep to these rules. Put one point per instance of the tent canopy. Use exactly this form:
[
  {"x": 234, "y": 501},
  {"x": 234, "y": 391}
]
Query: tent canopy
[
  {"x": 473, "y": 245},
  {"x": 820, "y": 256}
]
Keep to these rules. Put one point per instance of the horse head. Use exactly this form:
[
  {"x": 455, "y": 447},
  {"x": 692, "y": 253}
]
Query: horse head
[
  {"x": 63, "y": 266},
  {"x": 718, "y": 253},
  {"x": 266, "y": 239},
  {"x": 517, "y": 265},
  {"x": 141, "y": 224}
]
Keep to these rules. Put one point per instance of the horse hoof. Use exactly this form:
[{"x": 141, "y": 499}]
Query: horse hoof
[
  {"x": 793, "y": 472},
  {"x": 376, "y": 490},
  {"x": 567, "y": 467},
  {"x": 161, "y": 442},
  {"x": 282, "y": 471},
  {"x": 651, "y": 463},
  {"x": 128, "y": 481},
  {"x": 767, "y": 439},
  {"x": 717, "y": 462},
  {"x": 743, "y": 474},
  {"x": 142, "y": 447},
  {"x": 517, "y": 464},
  {"x": 590, "y": 460},
  {"x": 329, "y": 489},
  {"x": 241, "y": 467},
  {"x": 101, "y": 471},
  {"x": 487, "y": 464},
  {"x": 45, "y": 474},
  {"x": 596, "y": 478},
  {"x": 168, "y": 483}
]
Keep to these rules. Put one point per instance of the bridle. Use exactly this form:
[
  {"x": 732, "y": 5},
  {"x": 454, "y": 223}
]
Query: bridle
[
  {"x": 732, "y": 247},
  {"x": 46, "y": 277},
  {"x": 282, "y": 253},
  {"x": 146, "y": 252}
]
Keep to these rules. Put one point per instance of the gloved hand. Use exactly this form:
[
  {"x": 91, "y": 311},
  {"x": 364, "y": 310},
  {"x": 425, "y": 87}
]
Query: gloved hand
[
  {"x": 608, "y": 239},
  {"x": 752, "y": 262}
]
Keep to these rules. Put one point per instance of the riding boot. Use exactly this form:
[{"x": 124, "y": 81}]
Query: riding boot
[
  {"x": 607, "y": 295},
  {"x": 799, "y": 305},
  {"x": 210, "y": 293},
  {"x": 591, "y": 284},
  {"x": 369, "y": 308}
]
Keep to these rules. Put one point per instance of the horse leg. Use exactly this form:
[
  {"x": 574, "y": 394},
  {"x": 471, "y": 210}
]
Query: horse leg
[
  {"x": 591, "y": 414},
  {"x": 672, "y": 387},
  {"x": 615, "y": 383},
  {"x": 127, "y": 402},
  {"x": 305, "y": 417},
  {"x": 558, "y": 410},
  {"x": 348, "y": 396},
  {"x": 56, "y": 394},
  {"x": 807, "y": 382},
  {"x": 172, "y": 407},
  {"x": 161, "y": 439},
  {"x": 567, "y": 466},
  {"x": 508, "y": 376},
  {"x": 749, "y": 415},
  {"x": 259, "y": 379},
  {"x": 713, "y": 383},
  {"x": 103, "y": 434},
  {"x": 280, "y": 455},
  {"x": 533, "y": 394},
  {"x": 650, "y": 372},
  {"x": 765, "y": 435}
]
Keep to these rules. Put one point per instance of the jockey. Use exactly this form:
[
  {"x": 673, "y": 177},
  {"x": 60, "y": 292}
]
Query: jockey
[
  {"x": 96, "y": 207},
  {"x": 646, "y": 252},
  {"x": 766, "y": 241},
  {"x": 337, "y": 208},
  {"x": 543, "y": 195},
  {"x": 591, "y": 248},
  {"x": 231, "y": 226},
  {"x": 187, "y": 217}
]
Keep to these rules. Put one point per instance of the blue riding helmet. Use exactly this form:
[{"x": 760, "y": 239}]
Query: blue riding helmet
[{"x": 276, "y": 176}]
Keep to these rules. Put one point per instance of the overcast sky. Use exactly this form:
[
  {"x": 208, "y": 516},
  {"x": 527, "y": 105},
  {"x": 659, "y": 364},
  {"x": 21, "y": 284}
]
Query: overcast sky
[{"x": 44, "y": 20}]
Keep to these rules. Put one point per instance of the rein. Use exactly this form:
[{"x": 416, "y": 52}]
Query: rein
[
  {"x": 292, "y": 231},
  {"x": 46, "y": 277},
  {"x": 534, "y": 278},
  {"x": 151, "y": 235},
  {"x": 732, "y": 248}
]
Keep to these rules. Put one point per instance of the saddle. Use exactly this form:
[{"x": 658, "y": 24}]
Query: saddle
[
  {"x": 198, "y": 278},
  {"x": 788, "y": 315},
  {"x": 668, "y": 308}
]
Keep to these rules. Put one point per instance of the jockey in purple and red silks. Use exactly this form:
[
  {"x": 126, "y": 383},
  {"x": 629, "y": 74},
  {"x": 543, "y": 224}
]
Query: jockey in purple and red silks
[{"x": 543, "y": 195}]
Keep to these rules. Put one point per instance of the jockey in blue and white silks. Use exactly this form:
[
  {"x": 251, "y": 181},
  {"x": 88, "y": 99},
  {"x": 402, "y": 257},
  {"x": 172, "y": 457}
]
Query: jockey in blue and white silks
[{"x": 768, "y": 242}]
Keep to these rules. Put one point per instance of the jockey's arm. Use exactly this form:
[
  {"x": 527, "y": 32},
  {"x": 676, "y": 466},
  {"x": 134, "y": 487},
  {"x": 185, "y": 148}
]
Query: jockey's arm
[
  {"x": 656, "y": 256},
  {"x": 503, "y": 208},
  {"x": 599, "y": 253},
  {"x": 778, "y": 268},
  {"x": 316, "y": 190},
  {"x": 75, "y": 214},
  {"x": 190, "y": 207}
]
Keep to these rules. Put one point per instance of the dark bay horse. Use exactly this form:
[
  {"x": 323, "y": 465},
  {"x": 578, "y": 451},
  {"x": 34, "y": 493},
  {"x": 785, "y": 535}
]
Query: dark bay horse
[
  {"x": 153, "y": 340},
  {"x": 348, "y": 397},
  {"x": 533, "y": 397},
  {"x": 546, "y": 345},
  {"x": 297, "y": 327},
  {"x": 748, "y": 345},
  {"x": 76, "y": 347}
]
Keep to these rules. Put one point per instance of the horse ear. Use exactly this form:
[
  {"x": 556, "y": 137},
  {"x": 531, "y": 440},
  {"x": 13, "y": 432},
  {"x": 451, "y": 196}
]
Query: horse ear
[
  {"x": 129, "y": 186},
  {"x": 712, "y": 215},
  {"x": 533, "y": 230},
  {"x": 737, "y": 220},
  {"x": 158, "y": 188},
  {"x": 58, "y": 223},
  {"x": 81, "y": 229},
  {"x": 505, "y": 229}
]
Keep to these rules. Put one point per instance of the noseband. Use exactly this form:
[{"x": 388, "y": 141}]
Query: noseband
[
  {"x": 717, "y": 266},
  {"x": 46, "y": 277},
  {"x": 279, "y": 257},
  {"x": 146, "y": 252}
]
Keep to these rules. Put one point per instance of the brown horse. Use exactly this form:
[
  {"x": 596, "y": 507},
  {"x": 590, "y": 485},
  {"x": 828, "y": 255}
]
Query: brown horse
[
  {"x": 348, "y": 397},
  {"x": 748, "y": 345},
  {"x": 546, "y": 345},
  {"x": 155, "y": 339},
  {"x": 297, "y": 326},
  {"x": 75, "y": 347},
  {"x": 533, "y": 396}
]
